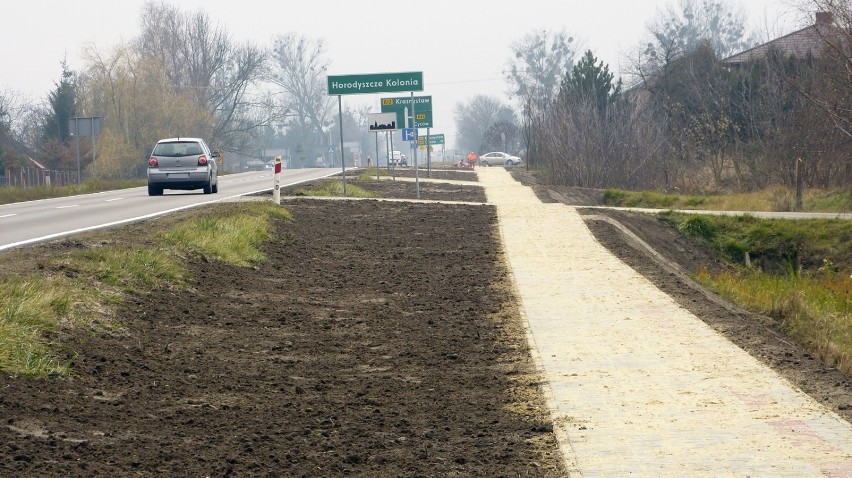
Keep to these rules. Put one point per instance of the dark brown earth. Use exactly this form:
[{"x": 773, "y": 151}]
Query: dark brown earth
[{"x": 378, "y": 339}]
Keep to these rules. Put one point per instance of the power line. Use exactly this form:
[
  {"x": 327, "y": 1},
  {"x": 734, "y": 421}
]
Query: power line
[{"x": 481, "y": 80}]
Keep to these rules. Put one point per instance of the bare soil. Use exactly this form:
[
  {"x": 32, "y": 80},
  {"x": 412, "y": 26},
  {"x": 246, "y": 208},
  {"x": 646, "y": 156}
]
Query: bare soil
[{"x": 378, "y": 339}]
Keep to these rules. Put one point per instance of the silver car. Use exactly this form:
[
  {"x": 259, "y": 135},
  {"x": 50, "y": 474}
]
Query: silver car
[
  {"x": 182, "y": 163},
  {"x": 499, "y": 158}
]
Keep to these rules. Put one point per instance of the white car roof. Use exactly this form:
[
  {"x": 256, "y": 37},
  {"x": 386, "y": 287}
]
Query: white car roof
[{"x": 171, "y": 140}]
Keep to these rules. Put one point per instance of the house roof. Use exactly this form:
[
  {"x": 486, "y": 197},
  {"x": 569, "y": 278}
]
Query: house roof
[
  {"x": 799, "y": 44},
  {"x": 37, "y": 164}
]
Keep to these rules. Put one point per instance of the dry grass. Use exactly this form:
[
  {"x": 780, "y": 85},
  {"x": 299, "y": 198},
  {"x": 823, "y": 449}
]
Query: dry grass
[{"x": 814, "y": 308}]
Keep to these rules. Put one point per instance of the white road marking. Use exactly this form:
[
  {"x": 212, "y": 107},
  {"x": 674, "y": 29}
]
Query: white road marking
[
  {"x": 66, "y": 207},
  {"x": 7, "y": 215}
]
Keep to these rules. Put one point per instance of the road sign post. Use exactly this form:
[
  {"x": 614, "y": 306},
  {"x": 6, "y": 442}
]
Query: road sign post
[
  {"x": 370, "y": 83},
  {"x": 402, "y": 106},
  {"x": 276, "y": 191},
  {"x": 432, "y": 139},
  {"x": 84, "y": 126},
  {"x": 377, "y": 154},
  {"x": 409, "y": 134},
  {"x": 375, "y": 83},
  {"x": 428, "y": 156},
  {"x": 382, "y": 122}
]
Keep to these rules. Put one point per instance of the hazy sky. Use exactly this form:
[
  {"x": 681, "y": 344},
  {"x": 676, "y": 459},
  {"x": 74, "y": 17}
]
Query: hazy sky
[{"x": 462, "y": 46}]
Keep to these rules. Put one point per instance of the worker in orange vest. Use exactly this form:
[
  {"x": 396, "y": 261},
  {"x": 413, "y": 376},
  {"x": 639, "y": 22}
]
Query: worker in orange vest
[{"x": 471, "y": 159}]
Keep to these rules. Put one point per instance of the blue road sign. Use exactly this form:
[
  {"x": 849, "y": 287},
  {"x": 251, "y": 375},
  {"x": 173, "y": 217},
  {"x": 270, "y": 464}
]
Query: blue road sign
[{"x": 409, "y": 134}]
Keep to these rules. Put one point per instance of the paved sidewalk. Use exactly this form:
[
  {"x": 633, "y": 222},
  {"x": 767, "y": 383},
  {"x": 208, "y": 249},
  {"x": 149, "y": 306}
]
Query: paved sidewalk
[{"x": 637, "y": 385}]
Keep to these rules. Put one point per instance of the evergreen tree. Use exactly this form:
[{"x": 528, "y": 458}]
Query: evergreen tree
[
  {"x": 62, "y": 101},
  {"x": 590, "y": 79}
]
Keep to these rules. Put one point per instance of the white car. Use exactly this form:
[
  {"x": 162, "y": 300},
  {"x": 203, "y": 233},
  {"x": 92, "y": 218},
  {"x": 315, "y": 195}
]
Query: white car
[
  {"x": 399, "y": 159},
  {"x": 497, "y": 158},
  {"x": 182, "y": 163}
]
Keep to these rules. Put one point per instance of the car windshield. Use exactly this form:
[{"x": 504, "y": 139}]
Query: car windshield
[{"x": 177, "y": 148}]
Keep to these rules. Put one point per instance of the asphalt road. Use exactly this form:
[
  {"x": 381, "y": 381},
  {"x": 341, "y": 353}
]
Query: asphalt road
[{"x": 35, "y": 221}]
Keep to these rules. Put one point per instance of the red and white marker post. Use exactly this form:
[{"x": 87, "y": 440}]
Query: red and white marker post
[{"x": 276, "y": 191}]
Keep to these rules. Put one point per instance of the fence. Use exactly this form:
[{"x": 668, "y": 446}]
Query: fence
[{"x": 30, "y": 177}]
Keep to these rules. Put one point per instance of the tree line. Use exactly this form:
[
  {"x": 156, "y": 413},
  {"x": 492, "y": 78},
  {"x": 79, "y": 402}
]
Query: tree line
[
  {"x": 691, "y": 119},
  {"x": 182, "y": 75},
  {"x": 683, "y": 118}
]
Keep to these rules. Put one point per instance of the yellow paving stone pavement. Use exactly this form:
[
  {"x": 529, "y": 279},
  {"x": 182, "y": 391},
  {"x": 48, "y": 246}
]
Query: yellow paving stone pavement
[{"x": 637, "y": 385}]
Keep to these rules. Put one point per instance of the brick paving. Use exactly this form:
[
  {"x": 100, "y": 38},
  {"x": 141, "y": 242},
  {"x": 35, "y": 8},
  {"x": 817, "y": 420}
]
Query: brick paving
[{"x": 637, "y": 385}]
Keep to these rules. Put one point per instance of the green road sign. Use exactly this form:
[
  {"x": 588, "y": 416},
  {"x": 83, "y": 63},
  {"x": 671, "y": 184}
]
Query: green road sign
[
  {"x": 399, "y": 105},
  {"x": 400, "y": 102},
  {"x": 433, "y": 139},
  {"x": 422, "y": 119},
  {"x": 375, "y": 83}
]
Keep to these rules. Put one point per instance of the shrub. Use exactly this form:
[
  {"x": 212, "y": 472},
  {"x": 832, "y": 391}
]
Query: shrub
[
  {"x": 614, "y": 197},
  {"x": 700, "y": 227}
]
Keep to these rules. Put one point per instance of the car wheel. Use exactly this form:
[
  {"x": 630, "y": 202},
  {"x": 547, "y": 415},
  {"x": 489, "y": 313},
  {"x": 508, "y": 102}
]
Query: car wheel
[
  {"x": 216, "y": 186},
  {"x": 208, "y": 188},
  {"x": 509, "y": 162},
  {"x": 485, "y": 163},
  {"x": 154, "y": 190}
]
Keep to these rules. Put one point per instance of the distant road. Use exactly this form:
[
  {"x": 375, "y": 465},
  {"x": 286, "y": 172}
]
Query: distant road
[{"x": 35, "y": 221}]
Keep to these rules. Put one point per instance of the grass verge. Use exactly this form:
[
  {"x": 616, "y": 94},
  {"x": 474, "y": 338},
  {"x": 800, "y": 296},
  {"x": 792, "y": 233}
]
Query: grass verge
[
  {"x": 770, "y": 199},
  {"x": 369, "y": 174},
  {"x": 30, "y": 308},
  {"x": 334, "y": 188},
  {"x": 72, "y": 286},
  {"x": 813, "y": 308},
  {"x": 18, "y": 194}
]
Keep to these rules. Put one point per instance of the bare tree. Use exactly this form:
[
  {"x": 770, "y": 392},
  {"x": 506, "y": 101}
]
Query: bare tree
[
  {"x": 795, "y": 106},
  {"x": 138, "y": 107},
  {"x": 717, "y": 23},
  {"x": 201, "y": 61},
  {"x": 6, "y": 146},
  {"x": 474, "y": 118},
  {"x": 539, "y": 61},
  {"x": 590, "y": 137},
  {"x": 13, "y": 113},
  {"x": 502, "y": 136},
  {"x": 745, "y": 126},
  {"x": 836, "y": 61},
  {"x": 800, "y": 127},
  {"x": 681, "y": 28},
  {"x": 299, "y": 70}
]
